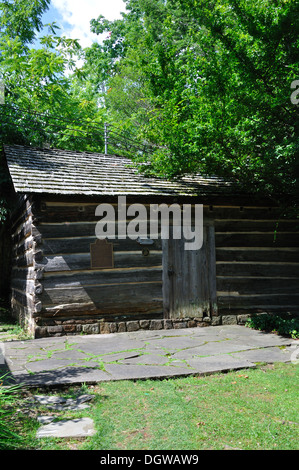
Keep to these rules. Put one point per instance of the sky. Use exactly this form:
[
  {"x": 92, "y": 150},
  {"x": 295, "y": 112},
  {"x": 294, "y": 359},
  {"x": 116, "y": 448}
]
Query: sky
[{"x": 73, "y": 17}]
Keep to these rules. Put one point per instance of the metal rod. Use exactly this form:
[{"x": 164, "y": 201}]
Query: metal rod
[{"x": 106, "y": 140}]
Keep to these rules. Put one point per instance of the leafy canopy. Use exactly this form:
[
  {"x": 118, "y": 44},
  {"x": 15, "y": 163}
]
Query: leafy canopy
[
  {"x": 207, "y": 85},
  {"x": 43, "y": 101},
  {"x": 186, "y": 85}
]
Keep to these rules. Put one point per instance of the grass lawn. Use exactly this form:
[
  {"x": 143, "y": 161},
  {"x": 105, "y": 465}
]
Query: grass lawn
[
  {"x": 9, "y": 329},
  {"x": 249, "y": 409}
]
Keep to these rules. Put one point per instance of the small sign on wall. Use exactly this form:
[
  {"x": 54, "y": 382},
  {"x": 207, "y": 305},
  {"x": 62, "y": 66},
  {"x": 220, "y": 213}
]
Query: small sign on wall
[{"x": 101, "y": 254}]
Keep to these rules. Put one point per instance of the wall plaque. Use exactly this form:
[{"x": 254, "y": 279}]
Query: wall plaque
[{"x": 101, "y": 254}]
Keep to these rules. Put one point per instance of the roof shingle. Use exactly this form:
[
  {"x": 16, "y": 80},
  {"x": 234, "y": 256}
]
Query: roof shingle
[{"x": 54, "y": 171}]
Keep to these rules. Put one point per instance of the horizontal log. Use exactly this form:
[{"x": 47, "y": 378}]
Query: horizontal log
[
  {"x": 75, "y": 311},
  {"x": 74, "y": 229},
  {"x": 26, "y": 300},
  {"x": 249, "y": 213},
  {"x": 82, "y": 245},
  {"x": 81, "y": 316},
  {"x": 22, "y": 214},
  {"x": 25, "y": 245},
  {"x": 231, "y": 286},
  {"x": 119, "y": 298},
  {"x": 130, "y": 293},
  {"x": 82, "y": 261},
  {"x": 25, "y": 285},
  {"x": 23, "y": 231},
  {"x": 283, "y": 239},
  {"x": 274, "y": 309},
  {"x": 255, "y": 269},
  {"x": 76, "y": 212},
  {"x": 258, "y": 254},
  {"x": 37, "y": 236},
  {"x": 65, "y": 229},
  {"x": 23, "y": 273},
  {"x": 271, "y": 226},
  {"x": 93, "y": 278},
  {"x": 260, "y": 301},
  {"x": 68, "y": 212},
  {"x": 24, "y": 261}
]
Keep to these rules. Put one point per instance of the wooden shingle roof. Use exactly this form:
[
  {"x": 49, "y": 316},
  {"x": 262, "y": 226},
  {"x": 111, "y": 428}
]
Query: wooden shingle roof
[{"x": 54, "y": 171}]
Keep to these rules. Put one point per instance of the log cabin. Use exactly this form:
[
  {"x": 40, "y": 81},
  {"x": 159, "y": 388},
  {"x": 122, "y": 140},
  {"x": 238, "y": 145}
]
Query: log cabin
[{"x": 64, "y": 281}]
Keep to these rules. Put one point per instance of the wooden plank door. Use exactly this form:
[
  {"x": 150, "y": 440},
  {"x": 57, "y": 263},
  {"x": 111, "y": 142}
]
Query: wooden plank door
[{"x": 189, "y": 278}]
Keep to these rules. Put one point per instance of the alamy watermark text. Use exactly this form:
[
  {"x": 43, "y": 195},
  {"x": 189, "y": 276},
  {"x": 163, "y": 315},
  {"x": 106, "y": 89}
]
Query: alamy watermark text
[{"x": 146, "y": 223}]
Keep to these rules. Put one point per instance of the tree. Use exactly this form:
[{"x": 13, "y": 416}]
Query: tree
[
  {"x": 208, "y": 85},
  {"x": 41, "y": 91},
  {"x": 44, "y": 103},
  {"x": 186, "y": 85}
]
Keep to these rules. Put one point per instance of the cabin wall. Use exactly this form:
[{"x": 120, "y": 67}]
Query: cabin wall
[
  {"x": 256, "y": 271},
  {"x": 257, "y": 262},
  {"x": 5, "y": 263},
  {"x": 25, "y": 275},
  {"x": 78, "y": 298}
]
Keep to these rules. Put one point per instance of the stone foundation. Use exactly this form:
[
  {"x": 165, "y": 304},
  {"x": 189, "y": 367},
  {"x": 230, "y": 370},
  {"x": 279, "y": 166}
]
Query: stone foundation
[{"x": 92, "y": 327}]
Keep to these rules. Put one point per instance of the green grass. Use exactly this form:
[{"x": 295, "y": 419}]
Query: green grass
[
  {"x": 9, "y": 439},
  {"x": 254, "y": 409},
  {"x": 9, "y": 328},
  {"x": 248, "y": 409}
]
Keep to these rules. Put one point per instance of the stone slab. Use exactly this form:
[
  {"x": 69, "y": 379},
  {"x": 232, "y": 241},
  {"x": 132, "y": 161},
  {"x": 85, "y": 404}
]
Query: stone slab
[
  {"x": 76, "y": 428},
  {"x": 46, "y": 364},
  {"x": 268, "y": 355},
  {"x": 136, "y": 371},
  {"x": 60, "y": 404},
  {"x": 146, "y": 359},
  {"x": 221, "y": 363},
  {"x": 49, "y": 400},
  {"x": 140, "y": 354},
  {"x": 68, "y": 375},
  {"x": 44, "y": 419},
  {"x": 212, "y": 348}
]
